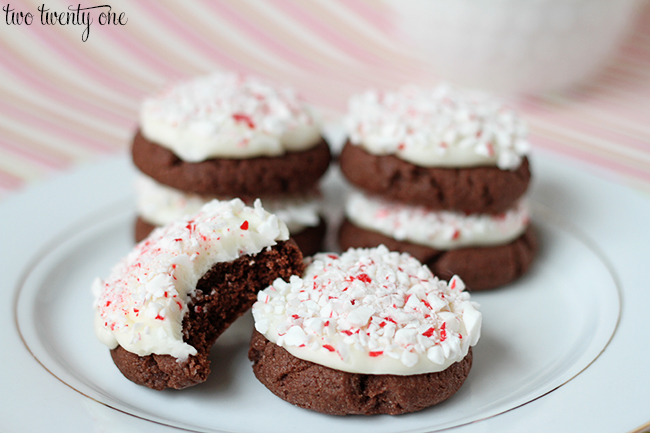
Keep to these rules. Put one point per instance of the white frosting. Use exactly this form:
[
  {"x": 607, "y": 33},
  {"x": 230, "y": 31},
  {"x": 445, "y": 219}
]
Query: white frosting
[
  {"x": 226, "y": 115},
  {"x": 439, "y": 127},
  {"x": 141, "y": 305},
  {"x": 370, "y": 311},
  {"x": 442, "y": 230},
  {"x": 160, "y": 204}
]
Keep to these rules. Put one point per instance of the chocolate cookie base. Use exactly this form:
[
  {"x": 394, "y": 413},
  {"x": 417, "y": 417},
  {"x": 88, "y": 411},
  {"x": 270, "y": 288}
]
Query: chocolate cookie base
[
  {"x": 291, "y": 173},
  {"x": 224, "y": 293},
  {"x": 334, "y": 392},
  {"x": 310, "y": 240},
  {"x": 480, "y": 268},
  {"x": 470, "y": 190}
]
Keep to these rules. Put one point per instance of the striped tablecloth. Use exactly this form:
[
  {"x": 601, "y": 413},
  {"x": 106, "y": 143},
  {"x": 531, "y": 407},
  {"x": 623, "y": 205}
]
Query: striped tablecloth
[{"x": 64, "y": 101}]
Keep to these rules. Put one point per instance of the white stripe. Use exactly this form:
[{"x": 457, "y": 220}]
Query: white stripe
[
  {"x": 19, "y": 91},
  {"x": 51, "y": 62},
  {"x": 305, "y": 34},
  {"x": 592, "y": 144},
  {"x": 75, "y": 151},
  {"x": 225, "y": 31}
]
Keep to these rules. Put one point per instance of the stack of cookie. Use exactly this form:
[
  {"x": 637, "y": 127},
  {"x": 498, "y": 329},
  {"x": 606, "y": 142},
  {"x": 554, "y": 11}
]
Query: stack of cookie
[
  {"x": 441, "y": 174},
  {"x": 224, "y": 136}
]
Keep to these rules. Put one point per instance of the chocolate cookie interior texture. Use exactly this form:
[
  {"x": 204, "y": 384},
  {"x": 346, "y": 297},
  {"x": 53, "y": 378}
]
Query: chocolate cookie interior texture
[
  {"x": 164, "y": 305},
  {"x": 224, "y": 136},
  {"x": 367, "y": 332},
  {"x": 441, "y": 173}
]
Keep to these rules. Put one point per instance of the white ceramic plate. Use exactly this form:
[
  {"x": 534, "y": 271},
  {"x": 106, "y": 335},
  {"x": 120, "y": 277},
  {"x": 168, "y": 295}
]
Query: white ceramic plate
[{"x": 541, "y": 335}]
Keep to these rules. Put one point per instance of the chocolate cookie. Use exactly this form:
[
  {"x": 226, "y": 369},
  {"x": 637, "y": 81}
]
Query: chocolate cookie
[
  {"x": 481, "y": 268},
  {"x": 223, "y": 294},
  {"x": 334, "y": 392},
  {"x": 310, "y": 240},
  {"x": 291, "y": 173},
  {"x": 471, "y": 190},
  {"x": 142, "y": 229},
  {"x": 368, "y": 331}
]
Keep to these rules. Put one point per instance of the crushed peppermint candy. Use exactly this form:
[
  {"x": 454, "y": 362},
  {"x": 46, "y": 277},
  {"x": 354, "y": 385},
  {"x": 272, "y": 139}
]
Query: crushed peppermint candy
[
  {"x": 370, "y": 311},
  {"x": 141, "y": 305},
  {"x": 442, "y": 230},
  {"x": 443, "y": 126},
  {"x": 229, "y": 115}
]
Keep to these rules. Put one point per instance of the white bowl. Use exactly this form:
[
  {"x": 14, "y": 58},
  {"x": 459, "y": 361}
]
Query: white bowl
[{"x": 516, "y": 46}]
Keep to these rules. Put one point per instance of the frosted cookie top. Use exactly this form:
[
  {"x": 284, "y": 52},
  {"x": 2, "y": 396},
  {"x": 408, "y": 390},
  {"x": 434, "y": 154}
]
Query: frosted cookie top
[
  {"x": 439, "y": 127},
  {"x": 442, "y": 230},
  {"x": 226, "y": 115},
  {"x": 370, "y": 311},
  {"x": 141, "y": 305},
  {"x": 160, "y": 204}
]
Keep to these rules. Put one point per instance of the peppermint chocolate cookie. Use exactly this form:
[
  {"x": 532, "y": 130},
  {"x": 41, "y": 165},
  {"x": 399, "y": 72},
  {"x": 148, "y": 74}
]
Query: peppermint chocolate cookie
[
  {"x": 366, "y": 332},
  {"x": 442, "y": 174},
  {"x": 225, "y": 136},
  {"x": 164, "y": 305}
]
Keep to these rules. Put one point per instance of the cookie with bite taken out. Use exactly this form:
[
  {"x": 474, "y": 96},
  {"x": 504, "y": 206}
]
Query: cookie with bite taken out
[{"x": 164, "y": 305}]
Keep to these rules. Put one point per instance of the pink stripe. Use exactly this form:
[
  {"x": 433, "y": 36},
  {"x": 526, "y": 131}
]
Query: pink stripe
[
  {"x": 83, "y": 141},
  {"x": 602, "y": 99},
  {"x": 264, "y": 38},
  {"x": 298, "y": 12},
  {"x": 52, "y": 40},
  {"x": 178, "y": 27},
  {"x": 36, "y": 82},
  {"x": 51, "y": 161},
  {"x": 618, "y": 102},
  {"x": 635, "y": 53},
  {"x": 326, "y": 70},
  {"x": 578, "y": 124},
  {"x": 12, "y": 104},
  {"x": 573, "y": 105},
  {"x": 185, "y": 31},
  {"x": 637, "y": 73},
  {"x": 230, "y": 62},
  {"x": 374, "y": 15},
  {"x": 637, "y": 42},
  {"x": 144, "y": 54},
  {"x": 10, "y": 181},
  {"x": 582, "y": 156},
  {"x": 625, "y": 80}
]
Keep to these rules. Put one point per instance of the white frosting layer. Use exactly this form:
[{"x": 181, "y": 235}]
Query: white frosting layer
[
  {"x": 439, "y": 127},
  {"x": 370, "y": 311},
  {"x": 160, "y": 204},
  {"x": 443, "y": 230},
  {"x": 140, "y": 306},
  {"x": 226, "y": 115}
]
